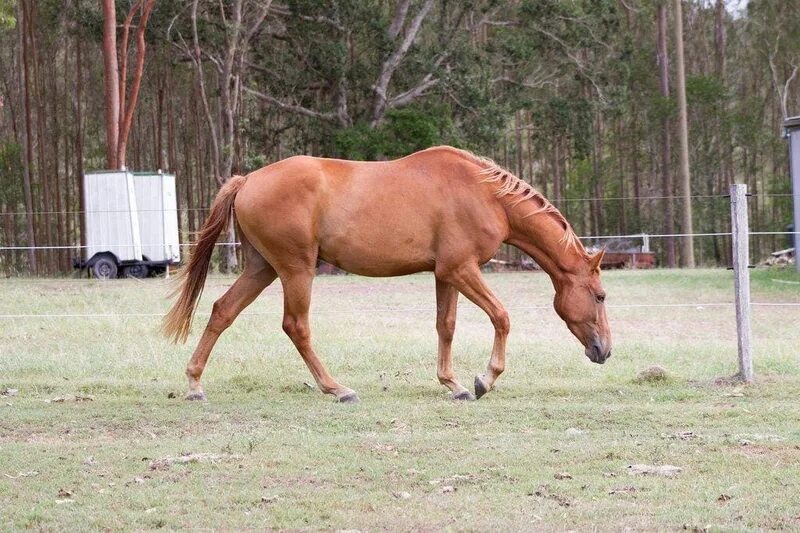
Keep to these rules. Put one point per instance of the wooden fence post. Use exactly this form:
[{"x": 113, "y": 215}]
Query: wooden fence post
[{"x": 741, "y": 263}]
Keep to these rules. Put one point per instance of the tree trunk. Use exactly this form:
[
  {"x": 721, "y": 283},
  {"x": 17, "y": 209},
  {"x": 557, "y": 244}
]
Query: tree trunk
[
  {"x": 28, "y": 159},
  {"x": 111, "y": 82},
  {"x": 687, "y": 242},
  {"x": 666, "y": 156},
  {"x": 79, "y": 134}
]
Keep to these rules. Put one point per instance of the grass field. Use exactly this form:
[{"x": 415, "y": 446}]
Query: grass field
[{"x": 406, "y": 457}]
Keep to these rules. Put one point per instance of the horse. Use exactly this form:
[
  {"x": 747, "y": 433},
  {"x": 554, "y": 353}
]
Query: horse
[{"x": 442, "y": 210}]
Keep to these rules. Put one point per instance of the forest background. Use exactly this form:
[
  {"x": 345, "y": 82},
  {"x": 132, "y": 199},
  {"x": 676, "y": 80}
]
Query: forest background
[{"x": 577, "y": 97}]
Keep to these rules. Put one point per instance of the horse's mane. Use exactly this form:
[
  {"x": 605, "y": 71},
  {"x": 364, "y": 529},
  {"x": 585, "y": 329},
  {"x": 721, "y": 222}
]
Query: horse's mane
[{"x": 510, "y": 185}]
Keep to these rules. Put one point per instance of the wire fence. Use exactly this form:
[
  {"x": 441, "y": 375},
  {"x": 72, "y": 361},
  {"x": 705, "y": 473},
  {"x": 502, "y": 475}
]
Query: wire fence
[
  {"x": 586, "y": 237},
  {"x": 554, "y": 201},
  {"x": 403, "y": 310}
]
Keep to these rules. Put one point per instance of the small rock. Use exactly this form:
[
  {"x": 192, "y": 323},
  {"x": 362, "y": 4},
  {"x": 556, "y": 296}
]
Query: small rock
[
  {"x": 401, "y": 495},
  {"x": 89, "y": 461},
  {"x": 563, "y": 475},
  {"x": 448, "y": 488}
]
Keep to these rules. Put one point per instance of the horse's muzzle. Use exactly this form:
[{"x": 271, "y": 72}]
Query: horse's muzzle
[{"x": 596, "y": 353}]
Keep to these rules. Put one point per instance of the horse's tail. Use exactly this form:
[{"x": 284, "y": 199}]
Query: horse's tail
[{"x": 176, "y": 324}]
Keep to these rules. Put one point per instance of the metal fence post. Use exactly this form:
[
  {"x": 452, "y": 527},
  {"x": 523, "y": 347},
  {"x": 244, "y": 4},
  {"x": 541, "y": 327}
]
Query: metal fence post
[{"x": 741, "y": 262}]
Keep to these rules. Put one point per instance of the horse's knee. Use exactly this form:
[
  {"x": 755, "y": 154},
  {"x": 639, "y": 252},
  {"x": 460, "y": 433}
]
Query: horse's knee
[
  {"x": 501, "y": 322},
  {"x": 221, "y": 317}
]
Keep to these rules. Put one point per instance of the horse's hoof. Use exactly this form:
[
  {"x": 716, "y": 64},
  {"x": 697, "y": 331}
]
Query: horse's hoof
[
  {"x": 195, "y": 397},
  {"x": 480, "y": 388},
  {"x": 464, "y": 395},
  {"x": 350, "y": 397}
]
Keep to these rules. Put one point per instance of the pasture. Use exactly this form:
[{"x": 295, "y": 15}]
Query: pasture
[{"x": 549, "y": 448}]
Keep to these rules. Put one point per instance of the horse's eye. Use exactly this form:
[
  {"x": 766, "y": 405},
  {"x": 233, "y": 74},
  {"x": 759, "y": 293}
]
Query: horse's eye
[{"x": 601, "y": 298}]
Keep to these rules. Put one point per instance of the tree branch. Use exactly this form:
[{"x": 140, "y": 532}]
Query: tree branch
[
  {"x": 125, "y": 125},
  {"x": 300, "y": 110},
  {"x": 412, "y": 94},
  {"x": 393, "y": 61}
]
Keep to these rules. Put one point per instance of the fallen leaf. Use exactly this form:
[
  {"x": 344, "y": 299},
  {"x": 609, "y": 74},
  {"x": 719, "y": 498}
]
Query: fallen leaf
[
  {"x": 71, "y": 398},
  {"x": 543, "y": 492},
  {"x": 166, "y": 462},
  {"x": 22, "y": 474},
  {"x": 623, "y": 490},
  {"x": 654, "y": 470}
]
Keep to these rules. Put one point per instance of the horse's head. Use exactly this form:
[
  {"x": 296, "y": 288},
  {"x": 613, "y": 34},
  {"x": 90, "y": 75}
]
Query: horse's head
[{"x": 580, "y": 302}]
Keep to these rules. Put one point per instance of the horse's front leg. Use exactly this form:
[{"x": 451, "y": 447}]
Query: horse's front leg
[
  {"x": 469, "y": 281},
  {"x": 446, "y": 307}
]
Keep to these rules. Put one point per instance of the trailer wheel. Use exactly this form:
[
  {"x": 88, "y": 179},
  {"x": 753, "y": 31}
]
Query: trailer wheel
[
  {"x": 135, "y": 271},
  {"x": 104, "y": 267}
]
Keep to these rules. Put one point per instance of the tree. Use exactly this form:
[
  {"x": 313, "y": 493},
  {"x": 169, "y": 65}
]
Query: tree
[
  {"x": 687, "y": 242},
  {"x": 120, "y": 109},
  {"x": 666, "y": 156},
  {"x": 241, "y": 23}
]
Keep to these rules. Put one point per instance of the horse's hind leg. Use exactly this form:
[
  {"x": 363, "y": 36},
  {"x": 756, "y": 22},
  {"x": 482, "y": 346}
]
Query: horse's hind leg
[
  {"x": 297, "y": 299},
  {"x": 446, "y": 307},
  {"x": 257, "y": 275}
]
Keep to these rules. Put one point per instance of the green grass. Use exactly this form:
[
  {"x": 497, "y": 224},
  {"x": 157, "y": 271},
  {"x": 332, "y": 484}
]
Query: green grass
[{"x": 297, "y": 460}]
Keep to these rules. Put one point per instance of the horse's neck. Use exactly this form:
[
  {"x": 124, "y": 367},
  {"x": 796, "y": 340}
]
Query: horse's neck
[{"x": 541, "y": 236}]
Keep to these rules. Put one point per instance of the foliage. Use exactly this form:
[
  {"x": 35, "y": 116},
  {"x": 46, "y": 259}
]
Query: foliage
[
  {"x": 8, "y": 18},
  {"x": 563, "y": 92}
]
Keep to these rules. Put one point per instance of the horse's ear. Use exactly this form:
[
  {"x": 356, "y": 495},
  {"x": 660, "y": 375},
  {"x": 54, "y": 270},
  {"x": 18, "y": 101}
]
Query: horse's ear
[{"x": 597, "y": 259}]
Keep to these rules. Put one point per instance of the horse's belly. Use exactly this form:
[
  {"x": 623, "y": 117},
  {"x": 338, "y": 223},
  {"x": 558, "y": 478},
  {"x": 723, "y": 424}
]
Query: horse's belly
[{"x": 379, "y": 247}]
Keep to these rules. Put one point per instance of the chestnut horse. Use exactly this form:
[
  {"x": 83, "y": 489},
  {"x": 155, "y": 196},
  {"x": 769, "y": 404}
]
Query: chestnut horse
[{"x": 443, "y": 210}]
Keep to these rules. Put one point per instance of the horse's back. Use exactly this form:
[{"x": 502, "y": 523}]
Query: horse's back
[{"x": 372, "y": 218}]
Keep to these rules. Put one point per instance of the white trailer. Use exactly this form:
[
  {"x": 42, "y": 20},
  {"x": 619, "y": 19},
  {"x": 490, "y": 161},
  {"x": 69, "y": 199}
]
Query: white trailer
[{"x": 131, "y": 222}]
